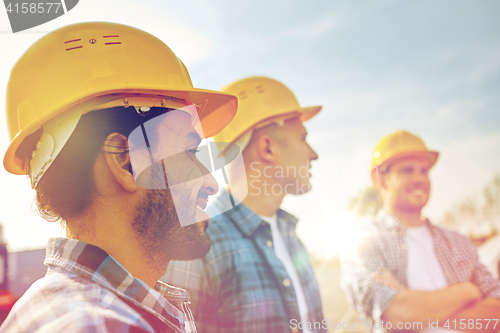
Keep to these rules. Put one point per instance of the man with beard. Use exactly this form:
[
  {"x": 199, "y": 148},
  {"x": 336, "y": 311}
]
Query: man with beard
[
  {"x": 107, "y": 129},
  {"x": 406, "y": 273},
  {"x": 258, "y": 276}
]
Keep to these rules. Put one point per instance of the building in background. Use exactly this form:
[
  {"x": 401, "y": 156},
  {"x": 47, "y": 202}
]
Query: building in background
[{"x": 7, "y": 298}]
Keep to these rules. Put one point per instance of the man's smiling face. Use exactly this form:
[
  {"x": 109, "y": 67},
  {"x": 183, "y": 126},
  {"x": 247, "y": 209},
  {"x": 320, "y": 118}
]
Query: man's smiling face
[{"x": 407, "y": 184}]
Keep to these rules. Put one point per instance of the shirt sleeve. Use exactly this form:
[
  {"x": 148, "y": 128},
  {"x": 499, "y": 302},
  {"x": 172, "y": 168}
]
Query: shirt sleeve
[
  {"x": 194, "y": 277},
  {"x": 365, "y": 295},
  {"x": 78, "y": 317},
  {"x": 463, "y": 262},
  {"x": 483, "y": 278}
]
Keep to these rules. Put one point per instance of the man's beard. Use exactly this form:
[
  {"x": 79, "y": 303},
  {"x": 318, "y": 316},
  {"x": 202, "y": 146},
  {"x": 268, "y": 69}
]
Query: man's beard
[{"x": 160, "y": 234}]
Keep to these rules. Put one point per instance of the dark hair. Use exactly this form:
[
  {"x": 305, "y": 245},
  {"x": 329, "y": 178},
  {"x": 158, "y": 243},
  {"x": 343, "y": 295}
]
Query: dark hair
[{"x": 65, "y": 189}]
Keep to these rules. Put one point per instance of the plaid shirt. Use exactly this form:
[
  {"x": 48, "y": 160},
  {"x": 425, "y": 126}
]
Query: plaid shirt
[
  {"x": 86, "y": 290},
  {"x": 384, "y": 246},
  {"x": 241, "y": 286}
]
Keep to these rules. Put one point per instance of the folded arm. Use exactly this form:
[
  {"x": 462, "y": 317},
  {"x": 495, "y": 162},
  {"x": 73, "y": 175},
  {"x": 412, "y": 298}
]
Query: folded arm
[
  {"x": 483, "y": 316},
  {"x": 461, "y": 301},
  {"x": 422, "y": 306}
]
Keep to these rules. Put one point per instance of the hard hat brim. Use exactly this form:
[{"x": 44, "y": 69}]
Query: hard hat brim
[
  {"x": 429, "y": 155},
  {"x": 304, "y": 113},
  {"x": 217, "y": 110},
  {"x": 309, "y": 112}
]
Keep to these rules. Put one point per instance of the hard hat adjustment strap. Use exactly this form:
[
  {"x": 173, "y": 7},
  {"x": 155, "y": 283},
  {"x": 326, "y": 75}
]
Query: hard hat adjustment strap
[
  {"x": 56, "y": 133},
  {"x": 141, "y": 110},
  {"x": 42, "y": 158}
]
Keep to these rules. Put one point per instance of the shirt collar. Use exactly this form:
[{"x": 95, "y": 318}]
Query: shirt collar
[
  {"x": 93, "y": 263},
  {"x": 388, "y": 221},
  {"x": 243, "y": 217}
]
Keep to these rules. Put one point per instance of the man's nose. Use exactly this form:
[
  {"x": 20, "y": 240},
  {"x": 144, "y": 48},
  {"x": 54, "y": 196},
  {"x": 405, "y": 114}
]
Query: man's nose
[
  {"x": 314, "y": 156},
  {"x": 209, "y": 183},
  {"x": 420, "y": 177}
]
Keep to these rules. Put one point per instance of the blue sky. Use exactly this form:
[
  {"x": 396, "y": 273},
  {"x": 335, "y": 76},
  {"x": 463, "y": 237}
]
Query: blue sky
[{"x": 430, "y": 67}]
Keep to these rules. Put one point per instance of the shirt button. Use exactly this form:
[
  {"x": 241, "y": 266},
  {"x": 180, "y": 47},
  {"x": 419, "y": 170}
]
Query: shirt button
[
  {"x": 287, "y": 282},
  {"x": 269, "y": 243},
  {"x": 262, "y": 223}
]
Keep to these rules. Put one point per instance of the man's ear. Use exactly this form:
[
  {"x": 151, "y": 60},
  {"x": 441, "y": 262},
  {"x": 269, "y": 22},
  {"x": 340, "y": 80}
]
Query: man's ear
[
  {"x": 116, "y": 154},
  {"x": 266, "y": 148},
  {"x": 378, "y": 179}
]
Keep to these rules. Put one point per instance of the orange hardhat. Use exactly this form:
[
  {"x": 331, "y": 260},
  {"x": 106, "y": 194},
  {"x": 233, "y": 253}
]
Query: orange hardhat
[
  {"x": 89, "y": 66},
  {"x": 397, "y": 145},
  {"x": 260, "y": 99}
]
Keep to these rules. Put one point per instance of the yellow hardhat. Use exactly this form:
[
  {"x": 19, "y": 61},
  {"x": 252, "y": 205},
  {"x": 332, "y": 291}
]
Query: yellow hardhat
[
  {"x": 97, "y": 65},
  {"x": 259, "y": 99},
  {"x": 400, "y": 144}
]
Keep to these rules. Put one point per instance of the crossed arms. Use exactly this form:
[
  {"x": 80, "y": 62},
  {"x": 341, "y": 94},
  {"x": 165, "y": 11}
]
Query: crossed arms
[
  {"x": 372, "y": 279},
  {"x": 459, "y": 301}
]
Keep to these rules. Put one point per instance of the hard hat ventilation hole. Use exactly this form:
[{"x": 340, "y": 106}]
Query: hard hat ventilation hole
[
  {"x": 71, "y": 41},
  {"x": 111, "y": 36},
  {"x": 242, "y": 94},
  {"x": 260, "y": 89}
]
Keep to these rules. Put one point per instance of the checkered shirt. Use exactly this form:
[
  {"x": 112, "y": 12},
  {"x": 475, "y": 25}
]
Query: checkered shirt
[
  {"x": 86, "y": 290},
  {"x": 241, "y": 286},
  {"x": 383, "y": 244}
]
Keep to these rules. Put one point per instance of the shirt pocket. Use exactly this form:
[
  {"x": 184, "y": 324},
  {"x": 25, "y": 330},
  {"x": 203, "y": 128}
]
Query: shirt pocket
[{"x": 261, "y": 316}]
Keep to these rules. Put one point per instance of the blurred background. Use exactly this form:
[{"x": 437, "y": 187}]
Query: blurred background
[{"x": 429, "y": 67}]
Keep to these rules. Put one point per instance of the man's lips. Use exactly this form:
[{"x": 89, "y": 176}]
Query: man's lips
[
  {"x": 201, "y": 204},
  {"x": 202, "y": 200},
  {"x": 418, "y": 191}
]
